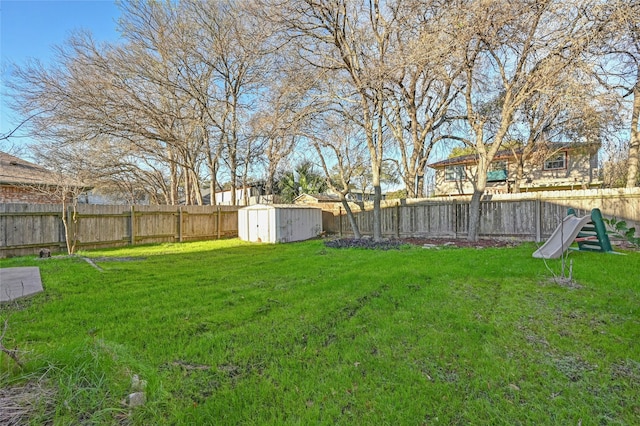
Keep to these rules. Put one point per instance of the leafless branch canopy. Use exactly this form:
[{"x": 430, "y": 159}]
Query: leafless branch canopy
[{"x": 196, "y": 94}]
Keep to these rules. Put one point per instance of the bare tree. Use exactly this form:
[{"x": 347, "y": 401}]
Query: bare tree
[
  {"x": 66, "y": 187},
  {"x": 338, "y": 142},
  {"x": 278, "y": 124},
  {"x": 614, "y": 169},
  {"x": 233, "y": 47},
  {"x": 150, "y": 76},
  {"x": 619, "y": 71},
  {"x": 573, "y": 109},
  {"x": 509, "y": 50},
  {"x": 175, "y": 95},
  {"x": 349, "y": 42},
  {"x": 97, "y": 95},
  {"x": 421, "y": 86}
]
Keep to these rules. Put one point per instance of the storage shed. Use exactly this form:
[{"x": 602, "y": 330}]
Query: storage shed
[{"x": 279, "y": 223}]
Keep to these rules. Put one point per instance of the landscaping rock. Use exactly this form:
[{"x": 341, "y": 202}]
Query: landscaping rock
[{"x": 137, "y": 399}]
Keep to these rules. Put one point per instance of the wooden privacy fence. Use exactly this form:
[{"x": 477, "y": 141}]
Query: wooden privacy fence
[
  {"x": 25, "y": 228},
  {"x": 532, "y": 216}
]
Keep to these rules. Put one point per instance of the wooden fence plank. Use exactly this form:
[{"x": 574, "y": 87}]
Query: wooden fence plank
[
  {"x": 25, "y": 229},
  {"x": 530, "y": 217}
]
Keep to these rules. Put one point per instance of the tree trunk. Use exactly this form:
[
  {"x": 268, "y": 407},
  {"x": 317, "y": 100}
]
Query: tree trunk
[
  {"x": 196, "y": 187},
  {"x": 70, "y": 220},
  {"x": 233, "y": 150},
  {"x": 352, "y": 219},
  {"x": 173, "y": 180},
  {"x": 271, "y": 174},
  {"x": 519, "y": 176},
  {"x": 634, "y": 143},
  {"x": 187, "y": 192},
  {"x": 213, "y": 163},
  {"x": 213, "y": 182},
  {"x": 474, "y": 207},
  {"x": 410, "y": 184},
  {"x": 420, "y": 183},
  {"x": 377, "y": 214},
  {"x": 233, "y": 170},
  {"x": 212, "y": 190}
]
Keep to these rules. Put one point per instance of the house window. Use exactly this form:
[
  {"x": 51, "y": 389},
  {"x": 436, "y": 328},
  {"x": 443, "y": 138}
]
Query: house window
[
  {"x": 497, "y": 171},
  {"x": 454, "y": 173},
  {"x": 556, "y": 162}
]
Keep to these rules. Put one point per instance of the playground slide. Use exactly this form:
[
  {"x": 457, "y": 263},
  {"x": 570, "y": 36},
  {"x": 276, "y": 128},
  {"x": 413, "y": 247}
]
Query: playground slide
[{"x": 562, "y": 237}]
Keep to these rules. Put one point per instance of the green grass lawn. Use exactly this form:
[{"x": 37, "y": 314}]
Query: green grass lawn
[{"x": 233, "y": 333}]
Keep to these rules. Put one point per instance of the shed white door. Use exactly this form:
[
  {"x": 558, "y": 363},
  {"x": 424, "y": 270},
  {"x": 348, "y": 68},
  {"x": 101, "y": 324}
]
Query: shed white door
[{"x": 258, "y": 222}]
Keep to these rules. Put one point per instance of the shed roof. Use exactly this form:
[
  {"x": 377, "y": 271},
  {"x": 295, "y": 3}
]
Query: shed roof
[{"x": 280, "y": 206}]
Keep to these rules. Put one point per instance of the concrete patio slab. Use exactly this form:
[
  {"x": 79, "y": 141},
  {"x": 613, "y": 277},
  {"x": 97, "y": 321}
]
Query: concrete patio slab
[{"x": 16, "y": 283}]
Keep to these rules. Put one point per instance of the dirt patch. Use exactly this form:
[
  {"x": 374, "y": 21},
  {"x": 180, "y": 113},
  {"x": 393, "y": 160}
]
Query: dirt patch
[
  {"x": 565, "y": 282},
  {"x": 118, "y": 259},
  {"x": 396, "y": 243}
]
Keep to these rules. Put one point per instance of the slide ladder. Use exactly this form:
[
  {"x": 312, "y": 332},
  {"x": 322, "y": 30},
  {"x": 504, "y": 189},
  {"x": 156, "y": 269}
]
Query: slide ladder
[
  {"x": 589, "y": 232},
  {"x": 593, "y": 236}
]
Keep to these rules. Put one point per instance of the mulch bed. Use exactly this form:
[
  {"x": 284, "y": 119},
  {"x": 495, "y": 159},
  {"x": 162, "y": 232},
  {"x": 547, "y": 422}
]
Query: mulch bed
[
  {"x": 455, "y": 242},
  {"x": 395, "y": 243},
  {"x": 387, "y": 244}
]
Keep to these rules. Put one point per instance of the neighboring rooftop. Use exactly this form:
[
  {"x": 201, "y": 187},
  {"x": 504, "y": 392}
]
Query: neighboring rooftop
[
  {"x": 14, "y": 170},
  {"x": 321, "y": 198},
  {"x": 509, "y": 153}
]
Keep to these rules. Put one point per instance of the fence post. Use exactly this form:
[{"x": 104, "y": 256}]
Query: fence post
[
  {"x": 133, "y": 225},
  {"x": 340, "y": 221},
  {"x": 398, "y": 220},
  {"x": 180, "y": 224},
  {"x": 538, "y": 220},
  {"x": 455, "y": 219},
  {"x": 219, "y": 221}
]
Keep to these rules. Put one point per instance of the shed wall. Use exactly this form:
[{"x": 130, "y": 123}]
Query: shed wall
[
  {"x": 273, "y": 224},
  {"x": 298, "y": 224}
]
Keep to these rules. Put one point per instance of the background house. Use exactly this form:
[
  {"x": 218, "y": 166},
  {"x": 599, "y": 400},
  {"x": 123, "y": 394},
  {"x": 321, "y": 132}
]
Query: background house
[
  {"x": 555, "y": 166},
  {"x": 25, "y": 182},
  {"x": 245, "y": 196},
  {"x": 327, "y": 202}
]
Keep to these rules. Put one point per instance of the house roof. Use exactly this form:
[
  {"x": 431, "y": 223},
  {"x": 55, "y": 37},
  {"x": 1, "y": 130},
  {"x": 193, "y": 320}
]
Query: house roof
[
  {"x": 321, "y": 198},
  {"x": 14, "y": 170},
  {"x": 510, "y": 153}
]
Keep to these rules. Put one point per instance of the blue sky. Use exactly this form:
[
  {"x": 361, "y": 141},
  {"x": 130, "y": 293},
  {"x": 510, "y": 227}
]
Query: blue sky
[{"x": 29, "y": 29}]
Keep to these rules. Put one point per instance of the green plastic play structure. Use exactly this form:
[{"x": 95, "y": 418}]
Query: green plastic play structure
[
  {"x": 593, "y": 236},
  {"x": 588, "y": 231}
]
